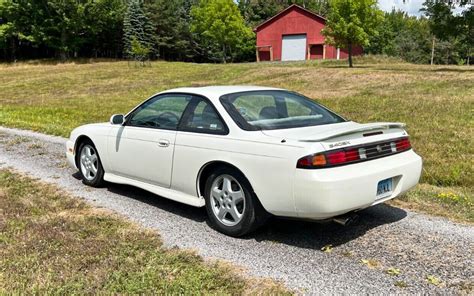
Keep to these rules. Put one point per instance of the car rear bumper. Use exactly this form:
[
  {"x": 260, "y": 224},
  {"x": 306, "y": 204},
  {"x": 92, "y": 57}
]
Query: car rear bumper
[
  {"x": 325, "y": 193},
  {"x": 70, "y": 155}
]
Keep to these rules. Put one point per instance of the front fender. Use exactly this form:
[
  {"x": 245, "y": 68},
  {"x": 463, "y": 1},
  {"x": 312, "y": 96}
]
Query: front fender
[{"x": 97, "y": 133}]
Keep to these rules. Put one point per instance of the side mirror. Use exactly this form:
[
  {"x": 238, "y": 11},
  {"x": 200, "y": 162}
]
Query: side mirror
[{"x": 117, "y": 119}]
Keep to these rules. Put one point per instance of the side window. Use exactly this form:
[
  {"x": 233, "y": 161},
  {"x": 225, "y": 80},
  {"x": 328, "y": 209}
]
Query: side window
[
  {"x": 160, "y": 112},
  {"x": 205, "y": 119}
]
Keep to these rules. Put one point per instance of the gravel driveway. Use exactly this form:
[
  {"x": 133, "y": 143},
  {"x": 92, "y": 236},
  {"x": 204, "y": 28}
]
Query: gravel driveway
[{"x": 419, "y": 246}]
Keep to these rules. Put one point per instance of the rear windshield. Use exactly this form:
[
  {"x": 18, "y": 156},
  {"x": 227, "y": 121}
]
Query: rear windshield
[{"x": 275, "y": 109}]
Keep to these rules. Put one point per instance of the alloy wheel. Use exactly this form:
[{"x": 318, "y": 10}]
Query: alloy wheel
[
  {"x": 89, "y": 162},
  {"x": 227, "y": 200}
]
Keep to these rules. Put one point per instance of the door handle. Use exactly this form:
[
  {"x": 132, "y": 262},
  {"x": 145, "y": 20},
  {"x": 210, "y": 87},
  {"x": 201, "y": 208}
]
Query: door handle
[{"x": 163, "y": 143}]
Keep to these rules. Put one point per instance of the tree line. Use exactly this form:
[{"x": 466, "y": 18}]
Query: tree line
[
  {"x": 220, "y": 30},
  {"x": 440, "y": 37}
]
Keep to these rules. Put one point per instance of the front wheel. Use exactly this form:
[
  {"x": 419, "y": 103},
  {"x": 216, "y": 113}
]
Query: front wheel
[
  {"x": 231, "y": 204},
  {"x": 90, "y": 166}
]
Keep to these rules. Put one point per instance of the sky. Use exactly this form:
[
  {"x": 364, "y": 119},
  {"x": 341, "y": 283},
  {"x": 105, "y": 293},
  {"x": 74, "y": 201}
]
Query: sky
[{"x": 412, "y": 7}]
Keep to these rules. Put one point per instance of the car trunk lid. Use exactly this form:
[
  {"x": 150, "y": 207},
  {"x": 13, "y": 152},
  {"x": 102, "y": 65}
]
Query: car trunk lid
[{"x": 339, "y": 135}]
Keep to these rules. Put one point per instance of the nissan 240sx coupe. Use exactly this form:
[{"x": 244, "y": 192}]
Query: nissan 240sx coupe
[{"x": 246, "y": 152}]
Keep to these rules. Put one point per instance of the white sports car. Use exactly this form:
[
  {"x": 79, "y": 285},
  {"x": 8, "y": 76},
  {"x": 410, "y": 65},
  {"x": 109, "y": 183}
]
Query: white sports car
[{"x": 246, "y": 152}]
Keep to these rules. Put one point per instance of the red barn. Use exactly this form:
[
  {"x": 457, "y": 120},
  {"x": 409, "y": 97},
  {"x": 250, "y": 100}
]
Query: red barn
[{"x": 295, "y": 34}]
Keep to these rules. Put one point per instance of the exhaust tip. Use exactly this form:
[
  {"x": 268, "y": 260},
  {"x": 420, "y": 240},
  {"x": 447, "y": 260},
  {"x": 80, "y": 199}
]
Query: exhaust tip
[{"x": 346, "y": 220}]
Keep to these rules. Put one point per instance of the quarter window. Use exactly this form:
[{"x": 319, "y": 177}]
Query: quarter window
[{"x": 203, "y": 118}]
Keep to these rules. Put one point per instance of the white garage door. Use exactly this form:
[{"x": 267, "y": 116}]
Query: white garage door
[{"x": 293, "y": 48}]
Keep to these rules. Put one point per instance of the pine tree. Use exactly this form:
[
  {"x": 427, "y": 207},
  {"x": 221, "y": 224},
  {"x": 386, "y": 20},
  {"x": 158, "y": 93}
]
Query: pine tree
[
  {"x": 137, "y": 31},
  {"x": 171, "y": 26}
]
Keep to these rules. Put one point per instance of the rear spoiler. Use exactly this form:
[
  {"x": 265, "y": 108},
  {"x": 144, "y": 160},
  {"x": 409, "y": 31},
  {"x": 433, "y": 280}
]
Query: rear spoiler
[{"x": 356, "y": 129}]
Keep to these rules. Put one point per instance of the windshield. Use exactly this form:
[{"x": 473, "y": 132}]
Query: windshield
[{"x": 276, "y": 109}]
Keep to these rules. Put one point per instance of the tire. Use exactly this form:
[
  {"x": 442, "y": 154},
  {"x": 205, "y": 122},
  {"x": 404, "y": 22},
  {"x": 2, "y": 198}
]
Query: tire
[
  {"x": 232, "y": 206},
  {"x": 90, "y": 167}
]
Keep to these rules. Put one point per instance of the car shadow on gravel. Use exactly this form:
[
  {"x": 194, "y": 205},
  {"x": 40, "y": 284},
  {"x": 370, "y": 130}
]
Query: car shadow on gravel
[
  {"x": 302, "y": 234},
  {"x": 183, "y": 210},
  {"x": 316, "y": 235}
]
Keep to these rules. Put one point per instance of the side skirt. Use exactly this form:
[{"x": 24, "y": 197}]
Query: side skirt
[{"x": 163, "y": 192}]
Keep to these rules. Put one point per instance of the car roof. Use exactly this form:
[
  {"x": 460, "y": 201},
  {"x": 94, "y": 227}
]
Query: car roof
[{"x": 214, "y": 92}]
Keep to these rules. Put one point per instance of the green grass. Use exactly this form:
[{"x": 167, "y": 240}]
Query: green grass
[
  {"x": 51, "y": 243},
  {"x": 437, "y": 103},
  {"x": 455, "y": 203}
]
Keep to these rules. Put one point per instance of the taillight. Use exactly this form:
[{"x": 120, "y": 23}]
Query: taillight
[
  {"x": 312, "y": 161},
  {"x": 342, "y": 156},
  {"x": 353, "y": 154},
  {"x": 328, "y": 159},
  {"x": 403, "y": 144}
]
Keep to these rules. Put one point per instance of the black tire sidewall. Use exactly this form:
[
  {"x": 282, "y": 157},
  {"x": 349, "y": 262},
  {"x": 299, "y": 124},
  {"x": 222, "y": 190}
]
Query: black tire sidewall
[
  {"x": 248, "y": 222},
  {"x": 99, "y": 178}
]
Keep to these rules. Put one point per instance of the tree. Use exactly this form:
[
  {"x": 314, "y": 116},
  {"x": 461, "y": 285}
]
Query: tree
[
  {"x": 351, "y": 22},
  {"x": 59, "y": 28},
  {"x": 320, "y": 7},
  {"x": 104, "y": 19},
  {"x": 56, "y": 23},
  {"x": 443, "y": 24},
  {"x": 388, "y": 30},
  {"x": 467, "y": 33},
  {"x": 222, "y": 28},
  {"x": 403, "y": 36},
  {"x": 138, "y": 51},
  {"x": 412, "y": 40},
  {"x": 171, "y": 22},
  {"x": 8, "y": 30},
  {"x": 455, "y": 32},
  {"x": 258, "y": 11},
  {"x": 136, "y": 29}
]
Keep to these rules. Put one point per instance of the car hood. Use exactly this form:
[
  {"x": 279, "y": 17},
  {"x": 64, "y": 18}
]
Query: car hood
[{"x": 329, "y": 131}]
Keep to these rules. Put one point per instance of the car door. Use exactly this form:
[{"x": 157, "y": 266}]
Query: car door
[
  {"x": 142, "y": 148},
  {"x": 201, "y": 136}
]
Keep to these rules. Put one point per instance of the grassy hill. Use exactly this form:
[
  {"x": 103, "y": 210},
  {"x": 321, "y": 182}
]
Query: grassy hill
[{"x": 436, "y": 103}]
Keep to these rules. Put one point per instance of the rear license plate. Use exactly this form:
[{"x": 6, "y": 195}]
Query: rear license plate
[{"x": 384, "y": 188}]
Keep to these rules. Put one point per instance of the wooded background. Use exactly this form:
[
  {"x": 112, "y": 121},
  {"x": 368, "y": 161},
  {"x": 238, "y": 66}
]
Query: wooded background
[{"x": 215, "y": 30}]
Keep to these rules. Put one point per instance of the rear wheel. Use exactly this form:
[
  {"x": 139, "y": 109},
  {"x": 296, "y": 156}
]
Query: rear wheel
[
  {"x": 231, "y": 204},
  {"x": 89, "y": 165}
]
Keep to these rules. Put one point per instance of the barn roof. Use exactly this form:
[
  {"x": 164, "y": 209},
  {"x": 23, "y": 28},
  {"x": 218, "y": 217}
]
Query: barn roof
[{"x": 291, "y": 7}]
